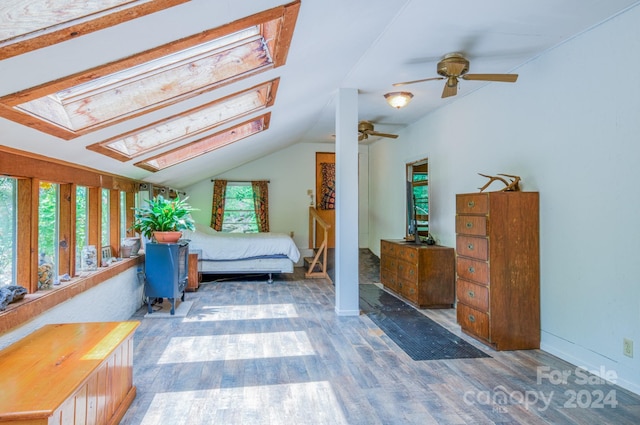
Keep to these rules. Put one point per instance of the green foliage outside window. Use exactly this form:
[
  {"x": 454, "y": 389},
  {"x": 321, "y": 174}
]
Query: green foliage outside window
[
  {"x": 82, "y": 224},
  {"x": 105, "y": 217},
  {"x": 239, "y": 210},
  {"x": 123, "y": 214},
  {"x": 7, "y": 230},
  {"x": 48, "y": 221}
]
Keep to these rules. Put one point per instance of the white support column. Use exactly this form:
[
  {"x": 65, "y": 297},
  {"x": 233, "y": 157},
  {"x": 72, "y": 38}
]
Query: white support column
[{"x": 347, "y": 280}]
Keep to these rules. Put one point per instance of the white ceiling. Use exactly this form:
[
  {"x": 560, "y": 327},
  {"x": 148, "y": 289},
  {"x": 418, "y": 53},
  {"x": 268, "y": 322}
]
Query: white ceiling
[{"x": 363, "y": 44}]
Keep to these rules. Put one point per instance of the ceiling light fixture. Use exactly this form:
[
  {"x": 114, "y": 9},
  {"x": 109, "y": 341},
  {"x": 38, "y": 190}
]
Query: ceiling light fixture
[{"x": 398, "y": 99}]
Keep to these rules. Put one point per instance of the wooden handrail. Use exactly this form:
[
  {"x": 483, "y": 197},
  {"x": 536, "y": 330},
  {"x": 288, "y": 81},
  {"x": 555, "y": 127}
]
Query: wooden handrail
[
  {"x": 314, "y": 218},
  {"x": 313, "y": 215}
]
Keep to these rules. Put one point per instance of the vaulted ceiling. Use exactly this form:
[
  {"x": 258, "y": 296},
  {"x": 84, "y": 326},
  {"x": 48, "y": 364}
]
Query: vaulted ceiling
[{"x": 249, "y": 92}]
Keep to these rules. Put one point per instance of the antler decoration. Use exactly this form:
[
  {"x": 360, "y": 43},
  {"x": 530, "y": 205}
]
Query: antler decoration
[{"x": 510, "y": 186}]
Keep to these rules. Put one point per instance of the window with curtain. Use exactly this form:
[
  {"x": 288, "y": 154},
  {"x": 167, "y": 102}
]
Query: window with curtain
[{"x": 240, "y": 207}]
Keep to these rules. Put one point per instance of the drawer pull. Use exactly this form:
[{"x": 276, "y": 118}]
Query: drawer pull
[
  {"x": 472, "y": 270},
  {"x": 469, "y": 225},
  {"x": 471, "y": 204},
  {"x": 470, "y": 246},
  {"x": 472, "y": 318},
  {"x": 471, "y": 294}
]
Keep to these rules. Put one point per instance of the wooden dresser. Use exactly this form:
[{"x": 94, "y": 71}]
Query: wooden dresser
[
  {"x": 498, "y": 268},
  {"x": 422, "y": 274}
]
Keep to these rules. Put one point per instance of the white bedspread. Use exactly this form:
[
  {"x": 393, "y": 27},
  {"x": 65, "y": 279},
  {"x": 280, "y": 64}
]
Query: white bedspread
[{"x": 234, "y": 246}]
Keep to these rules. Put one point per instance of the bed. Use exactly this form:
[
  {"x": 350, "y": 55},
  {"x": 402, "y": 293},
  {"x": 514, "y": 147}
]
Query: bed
[{"x": 242, "y": 253}]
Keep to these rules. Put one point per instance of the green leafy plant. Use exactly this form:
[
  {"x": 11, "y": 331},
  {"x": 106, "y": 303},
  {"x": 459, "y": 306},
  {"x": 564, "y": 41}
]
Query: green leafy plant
[{"x": 163, "y": 215}]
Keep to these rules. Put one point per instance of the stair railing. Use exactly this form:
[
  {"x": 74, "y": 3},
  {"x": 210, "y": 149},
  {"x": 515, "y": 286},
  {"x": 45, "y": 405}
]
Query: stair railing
[{"x": 321, "y": 251}]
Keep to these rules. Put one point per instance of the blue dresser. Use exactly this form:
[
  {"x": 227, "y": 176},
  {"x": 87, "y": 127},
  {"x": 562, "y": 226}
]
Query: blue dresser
[{"x": 166, "y": 272}]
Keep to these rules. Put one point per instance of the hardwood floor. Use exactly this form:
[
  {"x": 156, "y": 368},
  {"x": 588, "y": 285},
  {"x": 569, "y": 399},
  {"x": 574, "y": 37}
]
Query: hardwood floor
[{"x": 253, "y": 353}]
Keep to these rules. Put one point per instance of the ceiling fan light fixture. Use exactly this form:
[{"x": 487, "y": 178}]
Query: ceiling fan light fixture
[{"x": 398, "y": 99}]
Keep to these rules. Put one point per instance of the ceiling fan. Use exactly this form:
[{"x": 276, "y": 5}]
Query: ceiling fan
[
  {"x": 366, "y": 129},
  {"x": 454, "y": 66}
]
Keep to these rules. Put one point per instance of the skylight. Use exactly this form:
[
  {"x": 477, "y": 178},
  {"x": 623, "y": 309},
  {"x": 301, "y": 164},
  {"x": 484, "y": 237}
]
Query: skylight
[
  {"x": 185, "y": 68},
  {"x": 155, "y": 82},
  {"x": 207, "y": 144},
  {"x": 27, "y": 25},
  {"x": 189, "y": 123}
]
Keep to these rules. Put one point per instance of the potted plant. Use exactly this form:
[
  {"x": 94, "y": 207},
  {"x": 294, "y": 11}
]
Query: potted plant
[{"x": 162, "y": 219}]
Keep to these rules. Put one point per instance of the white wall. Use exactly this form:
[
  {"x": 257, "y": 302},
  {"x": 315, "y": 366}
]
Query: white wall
[
  {"x": 291, "y": 173},
  {"x": 569, "y": 127},
  {"x": 116, "y": 299}
]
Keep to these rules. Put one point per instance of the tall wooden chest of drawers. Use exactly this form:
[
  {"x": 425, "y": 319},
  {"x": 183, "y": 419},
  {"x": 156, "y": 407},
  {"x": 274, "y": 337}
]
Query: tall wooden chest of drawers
[
  {"x": 498, "y": 268},
  {"x": 422, "y": 274}
]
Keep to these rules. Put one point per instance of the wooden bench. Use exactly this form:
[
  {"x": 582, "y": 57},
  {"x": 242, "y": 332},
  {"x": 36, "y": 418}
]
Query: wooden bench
[{"x": 63, "y": 374}]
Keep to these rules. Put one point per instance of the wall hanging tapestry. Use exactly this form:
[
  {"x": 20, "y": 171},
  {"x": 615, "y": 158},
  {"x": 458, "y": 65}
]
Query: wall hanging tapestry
[{"x": 328, "y": 195}]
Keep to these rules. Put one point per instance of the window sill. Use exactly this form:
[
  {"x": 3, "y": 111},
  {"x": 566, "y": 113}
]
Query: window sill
[{"x": 35, "y": 304}]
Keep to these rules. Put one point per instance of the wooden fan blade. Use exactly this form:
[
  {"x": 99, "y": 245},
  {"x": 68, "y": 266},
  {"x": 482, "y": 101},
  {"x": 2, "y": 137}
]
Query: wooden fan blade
[
  {"x": 449, "y": 90},
  {"x": 418, "y": 81},
  {"x": 505, "y": 78},
  {"x": 375, "y": 133}
]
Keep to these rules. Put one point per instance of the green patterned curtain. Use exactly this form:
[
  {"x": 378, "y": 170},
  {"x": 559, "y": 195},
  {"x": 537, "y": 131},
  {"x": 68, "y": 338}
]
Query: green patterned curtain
[
  {"x": 261, "y": 202},
  {"x": 217, "y": 208}
]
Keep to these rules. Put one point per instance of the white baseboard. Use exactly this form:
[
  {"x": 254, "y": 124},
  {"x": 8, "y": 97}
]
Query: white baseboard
[{"x": 581, "y": 357}]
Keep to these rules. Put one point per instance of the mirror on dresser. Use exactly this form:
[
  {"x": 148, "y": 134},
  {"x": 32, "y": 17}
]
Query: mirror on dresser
[{"x": 417, "y": 199}]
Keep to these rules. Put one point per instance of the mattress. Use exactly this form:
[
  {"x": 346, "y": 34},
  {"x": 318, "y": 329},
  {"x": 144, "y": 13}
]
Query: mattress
[{"x": 237, "y": 246}]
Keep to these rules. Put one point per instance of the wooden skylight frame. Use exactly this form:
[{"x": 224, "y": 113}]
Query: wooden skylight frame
[
  {"x": 30, "y": 25},
  {"x": 207, "y": 144},
  {"x": 189, "y": 123},
  {"x": 97, "y": 96}
]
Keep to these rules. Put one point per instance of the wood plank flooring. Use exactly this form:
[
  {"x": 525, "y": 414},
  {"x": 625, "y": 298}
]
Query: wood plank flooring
[{"x": 253, "y": 353}]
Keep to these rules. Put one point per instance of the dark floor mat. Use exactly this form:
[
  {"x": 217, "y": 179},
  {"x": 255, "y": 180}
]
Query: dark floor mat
[{"x": 420, "y": 337}]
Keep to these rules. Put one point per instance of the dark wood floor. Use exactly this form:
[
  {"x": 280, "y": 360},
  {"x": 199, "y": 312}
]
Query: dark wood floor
[{"x": 253, "y": 353}]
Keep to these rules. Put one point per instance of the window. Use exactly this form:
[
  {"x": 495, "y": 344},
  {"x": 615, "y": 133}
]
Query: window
[
  {"x": 47, "y": 234},
  {"x": 82, "y": 222},
  {"x": 35, "y": 249},
  {"x": 239, "y": 210},
  {"x": 104, "y": 239},
  {"x": 123, "y": 214},
  {"x": 7, "y": 230},
  {"x": 418, "y": 178}
]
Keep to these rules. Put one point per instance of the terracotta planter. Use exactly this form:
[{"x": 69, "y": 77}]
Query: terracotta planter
[{"x": 167, "y": 237}]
